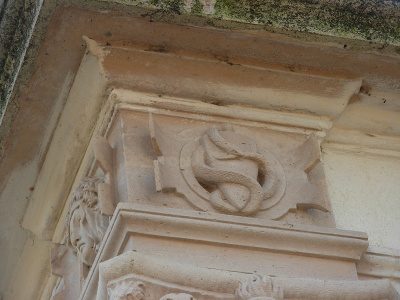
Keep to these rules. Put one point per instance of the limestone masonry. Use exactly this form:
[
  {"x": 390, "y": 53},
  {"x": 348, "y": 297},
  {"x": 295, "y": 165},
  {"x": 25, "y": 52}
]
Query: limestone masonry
[{"x": 153, "y": 158}]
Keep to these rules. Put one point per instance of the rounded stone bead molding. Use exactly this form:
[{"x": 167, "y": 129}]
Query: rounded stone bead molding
[{"x": 127, "y": 290}]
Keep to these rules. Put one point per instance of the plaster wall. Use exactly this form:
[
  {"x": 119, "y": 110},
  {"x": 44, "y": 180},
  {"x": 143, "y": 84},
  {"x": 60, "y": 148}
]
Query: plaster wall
[{"x": 365, "y": 195}]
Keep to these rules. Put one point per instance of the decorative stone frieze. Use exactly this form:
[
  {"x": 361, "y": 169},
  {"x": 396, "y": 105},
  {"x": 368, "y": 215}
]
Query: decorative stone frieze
[
  {"x": 218, "y": 168},
  {"x": 212, "y": 284},
  {"x": 91, "y": 205}
]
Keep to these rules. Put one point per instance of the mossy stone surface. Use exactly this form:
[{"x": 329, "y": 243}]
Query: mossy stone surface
[
  {"x": 16, "y": 23},
  {"x": 370, "y": 20}
]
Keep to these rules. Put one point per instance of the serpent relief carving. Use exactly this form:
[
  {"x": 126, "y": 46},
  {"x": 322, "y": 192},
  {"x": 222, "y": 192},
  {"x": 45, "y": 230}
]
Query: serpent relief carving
[
  {"x": 228, "y": 170},
  {"x": 238, "y": 177}
]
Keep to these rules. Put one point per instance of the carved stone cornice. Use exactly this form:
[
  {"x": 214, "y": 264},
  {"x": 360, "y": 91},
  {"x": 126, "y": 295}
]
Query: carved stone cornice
[
  {"x": 210, "y": 283},
  {"x": 135, "y": 227},
  {"x": 380, "y": 262}
]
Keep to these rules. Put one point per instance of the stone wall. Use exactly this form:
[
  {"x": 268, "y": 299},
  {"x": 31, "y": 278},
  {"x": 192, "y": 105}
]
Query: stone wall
[{"x": 360, "y": 156}]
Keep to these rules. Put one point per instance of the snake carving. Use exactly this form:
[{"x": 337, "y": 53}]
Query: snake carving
[{"x": 238, "y": 178}]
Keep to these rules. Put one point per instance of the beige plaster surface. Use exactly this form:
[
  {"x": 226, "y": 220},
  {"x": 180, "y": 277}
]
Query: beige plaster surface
[
  {"x": 365, "y": 195},
  {"x": 32, "y": 271},
  {"x": 70, "y": 140}
]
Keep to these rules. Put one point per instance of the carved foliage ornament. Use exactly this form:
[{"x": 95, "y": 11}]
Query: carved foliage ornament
[
  {"x": 257, "y": 288},
  {"x": 135, "y": 290}
]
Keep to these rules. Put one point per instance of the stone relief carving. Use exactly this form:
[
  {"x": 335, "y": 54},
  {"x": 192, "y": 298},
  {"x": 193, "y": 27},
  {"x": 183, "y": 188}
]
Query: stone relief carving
[
  {"x": 229, "y": 165},
  {"x": 85, "y": 226},
  {"x": 85, "y": 223},
  {"x": 90, "y": 207},
  {"x": 65, "y": 264},
  {"x": 259, "y": 287},
  {"x": 127, "y": 290},
  {"x": 219, "y": 168}
]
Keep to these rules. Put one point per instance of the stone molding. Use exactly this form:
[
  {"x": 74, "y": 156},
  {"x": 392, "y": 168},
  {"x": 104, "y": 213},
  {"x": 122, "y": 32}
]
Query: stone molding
[
  {"x": 223, "y": 284},
  {"x": 100, "y": 59},
  {"x": 243, "y": 233}
]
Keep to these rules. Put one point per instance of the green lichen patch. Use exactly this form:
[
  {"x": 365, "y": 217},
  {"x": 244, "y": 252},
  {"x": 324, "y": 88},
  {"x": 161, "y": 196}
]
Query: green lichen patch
[
  {"x": 17, "y": 21},
  {"x": 370, "y": 20}
]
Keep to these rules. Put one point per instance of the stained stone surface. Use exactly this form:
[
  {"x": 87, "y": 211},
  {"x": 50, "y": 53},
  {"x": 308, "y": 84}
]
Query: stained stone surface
[
  {"x": 368, "y": 127},
  {"x": 375, "y": 21},
  {"x": 372, "y": 20}
]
